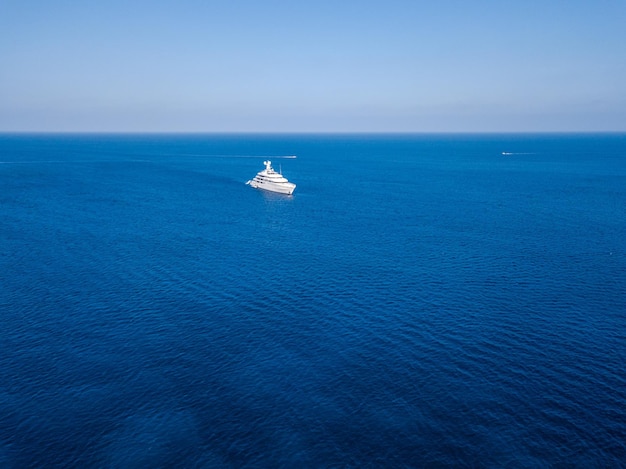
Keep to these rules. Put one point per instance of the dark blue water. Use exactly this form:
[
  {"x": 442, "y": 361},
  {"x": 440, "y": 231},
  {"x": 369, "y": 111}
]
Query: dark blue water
[{"x": 419, "y": 301}]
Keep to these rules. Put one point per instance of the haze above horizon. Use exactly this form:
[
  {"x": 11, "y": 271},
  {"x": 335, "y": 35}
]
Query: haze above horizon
[{"x": 278, "y": 66}]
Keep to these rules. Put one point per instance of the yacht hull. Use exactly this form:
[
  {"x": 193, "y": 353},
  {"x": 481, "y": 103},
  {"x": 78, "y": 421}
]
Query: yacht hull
[{"x": 287, "y": 188}]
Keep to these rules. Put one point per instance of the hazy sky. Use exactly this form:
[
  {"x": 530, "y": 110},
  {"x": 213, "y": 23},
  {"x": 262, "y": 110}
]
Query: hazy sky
[{"x": 123, "y": 65}]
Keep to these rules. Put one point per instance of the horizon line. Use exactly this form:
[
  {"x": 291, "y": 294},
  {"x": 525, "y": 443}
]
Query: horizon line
[{"x": 304, "y": 132}]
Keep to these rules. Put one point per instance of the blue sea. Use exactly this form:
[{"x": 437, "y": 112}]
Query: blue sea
[{"x": 420, "y": 301}]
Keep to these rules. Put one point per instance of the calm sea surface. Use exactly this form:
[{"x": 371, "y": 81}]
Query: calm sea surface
[{"x": 420, "y": 301}]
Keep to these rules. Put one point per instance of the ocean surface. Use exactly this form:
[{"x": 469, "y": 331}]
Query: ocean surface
[{"x": 420, "y": 301}]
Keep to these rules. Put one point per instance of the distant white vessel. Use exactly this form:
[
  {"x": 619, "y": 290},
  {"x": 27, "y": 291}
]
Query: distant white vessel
[{"x": 270, "y": 180}]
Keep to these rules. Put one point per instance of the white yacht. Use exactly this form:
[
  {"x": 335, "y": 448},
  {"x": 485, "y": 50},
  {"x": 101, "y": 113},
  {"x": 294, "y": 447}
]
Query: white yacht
[{"x": 270, "y": 180}]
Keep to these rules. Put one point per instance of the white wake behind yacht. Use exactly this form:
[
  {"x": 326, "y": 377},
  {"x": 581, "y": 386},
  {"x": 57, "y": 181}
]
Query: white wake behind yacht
[{"x": 270, "y": 180}]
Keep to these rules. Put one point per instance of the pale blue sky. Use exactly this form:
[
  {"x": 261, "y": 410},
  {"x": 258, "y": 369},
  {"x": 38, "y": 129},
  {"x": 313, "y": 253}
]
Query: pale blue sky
[{"x": 405, "y": 66}]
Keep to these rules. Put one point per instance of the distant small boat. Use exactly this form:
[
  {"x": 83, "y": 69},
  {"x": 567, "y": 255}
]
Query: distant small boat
[{"x": 270, "y": 180}]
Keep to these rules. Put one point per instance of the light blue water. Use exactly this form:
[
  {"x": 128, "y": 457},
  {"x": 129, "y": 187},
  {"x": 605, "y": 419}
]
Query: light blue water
[{"x": 419, "y": 301}]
